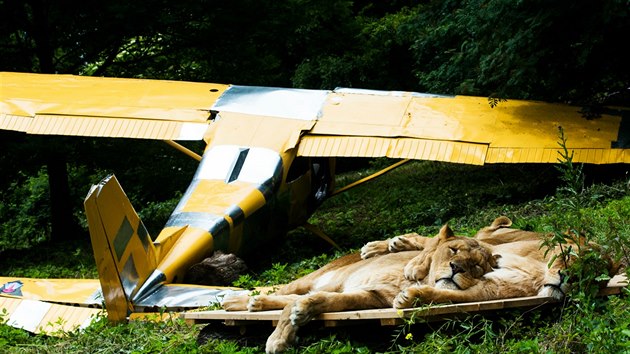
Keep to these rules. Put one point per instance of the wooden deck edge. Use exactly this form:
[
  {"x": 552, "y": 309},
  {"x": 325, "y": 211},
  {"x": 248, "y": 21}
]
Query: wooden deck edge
[{"x": 391, "y": 316}]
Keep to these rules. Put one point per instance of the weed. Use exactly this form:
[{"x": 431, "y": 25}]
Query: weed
[{"x": 570, "y": 173}]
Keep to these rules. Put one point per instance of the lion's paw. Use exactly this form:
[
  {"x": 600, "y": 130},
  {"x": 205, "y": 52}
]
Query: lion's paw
[
  {"x": 403, "y": 243},
  {"x": 255, "y": 303},
  {"x": 276, "y": 344},
  {"x": 373, "y": 249},
  {"x": 235, "y": 302},
  {"x": 415, "y": 270},
  {"x": 301, "y": 312},
  {"x": 403, "y": 300},
  {"x": 414, "y": 294}
]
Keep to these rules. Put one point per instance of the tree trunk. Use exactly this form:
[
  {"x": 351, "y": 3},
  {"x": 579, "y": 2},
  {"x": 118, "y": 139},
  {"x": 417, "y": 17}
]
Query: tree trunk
[{"x": 63, "y": 225}]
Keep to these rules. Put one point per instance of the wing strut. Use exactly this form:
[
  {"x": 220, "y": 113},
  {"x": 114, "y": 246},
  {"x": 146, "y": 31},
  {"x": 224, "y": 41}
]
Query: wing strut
[
  {"x": 183, "y": 149},
  {"x": 317, "y": 231},
  {"x": 370, "y": 177}
]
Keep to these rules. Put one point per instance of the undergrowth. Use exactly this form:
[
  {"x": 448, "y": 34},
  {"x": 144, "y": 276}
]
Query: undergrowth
[{"x": 418, "y": 197}]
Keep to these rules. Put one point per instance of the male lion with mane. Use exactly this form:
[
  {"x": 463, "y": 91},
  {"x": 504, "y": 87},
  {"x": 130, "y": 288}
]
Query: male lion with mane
[{"x": 497, "y": 263}]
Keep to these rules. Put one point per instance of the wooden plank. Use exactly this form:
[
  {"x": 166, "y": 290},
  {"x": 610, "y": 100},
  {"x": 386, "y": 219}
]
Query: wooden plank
[
  {"x": 385, "y": 316},
  {"x": 391, "y": 316}
]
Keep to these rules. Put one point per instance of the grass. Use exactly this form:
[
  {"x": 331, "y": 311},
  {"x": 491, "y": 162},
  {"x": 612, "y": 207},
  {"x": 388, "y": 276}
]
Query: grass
[{"x": 419, "y": 197}]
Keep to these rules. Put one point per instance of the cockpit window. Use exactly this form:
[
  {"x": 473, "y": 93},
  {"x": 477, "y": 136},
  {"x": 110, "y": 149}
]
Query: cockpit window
[{"x": 235, "y": 163}]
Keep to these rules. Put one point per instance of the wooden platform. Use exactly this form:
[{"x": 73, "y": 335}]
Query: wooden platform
[{"x": 390, "y": 316}]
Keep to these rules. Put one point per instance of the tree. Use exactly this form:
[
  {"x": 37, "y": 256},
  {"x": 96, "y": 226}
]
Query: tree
[{"x": 555, "y": 51}]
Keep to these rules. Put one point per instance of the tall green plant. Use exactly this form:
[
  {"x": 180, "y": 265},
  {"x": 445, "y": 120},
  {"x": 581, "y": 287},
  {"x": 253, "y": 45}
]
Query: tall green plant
[
  {"x": 585, "y": 263},
  {"x": 570, "y": 173}
]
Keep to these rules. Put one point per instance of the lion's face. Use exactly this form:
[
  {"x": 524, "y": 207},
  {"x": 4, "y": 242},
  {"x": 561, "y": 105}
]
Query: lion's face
[{"x": 459, "y": 263}]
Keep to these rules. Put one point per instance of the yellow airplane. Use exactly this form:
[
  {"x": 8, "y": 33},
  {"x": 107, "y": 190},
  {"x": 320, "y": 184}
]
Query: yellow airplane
[{"x": 268, "y": 164}]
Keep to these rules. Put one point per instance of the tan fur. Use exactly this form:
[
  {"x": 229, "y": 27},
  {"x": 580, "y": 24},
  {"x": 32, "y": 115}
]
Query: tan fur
[
  {"x": 497, "y": 233},
  {"x": 348, "y": 283},
  {"x": 465, "y": 269},
  {"x": 497, "y": 263}
]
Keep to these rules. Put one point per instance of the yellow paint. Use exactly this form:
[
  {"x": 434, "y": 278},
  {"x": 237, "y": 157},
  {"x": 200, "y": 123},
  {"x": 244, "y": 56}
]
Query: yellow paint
[
  {"x": 277, "y": 134},
  {"x": 459, "y": 129},
  {"x": 114, "y": 297},
  {"x": 76, "y": 291},
  {"x": 191, "y": 247},
  {"x": 112, "y": 107},
  {"x": 515, "y": 131},
  {"x": 33, "y": 94},
  {"x": 215, "y": 197}
]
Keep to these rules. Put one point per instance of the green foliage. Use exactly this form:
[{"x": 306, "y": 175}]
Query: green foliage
[
  {"x": 519, "y": 49},
  {"x": 149, "y": 336},
  {"x": 155, "y": 213},
  {"x": 59, "y": 260},
  {"x": 570, "y": 173},
  {"x": 436, "y": 195},
  {"x": 25, "y": 212},
  {"x": 283, "y": 273},
  {"x": 332, "y": 345}
]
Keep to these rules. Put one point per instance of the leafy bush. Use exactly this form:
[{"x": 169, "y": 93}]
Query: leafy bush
[{"x": 25, "y": 211}]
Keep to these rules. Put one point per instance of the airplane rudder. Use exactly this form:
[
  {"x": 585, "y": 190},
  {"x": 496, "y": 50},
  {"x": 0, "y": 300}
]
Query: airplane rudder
[{"x": 120, "y": 241}]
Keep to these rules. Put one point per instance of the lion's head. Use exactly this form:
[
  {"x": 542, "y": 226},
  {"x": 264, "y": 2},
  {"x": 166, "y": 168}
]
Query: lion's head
[{"x": 458, "y": 263}]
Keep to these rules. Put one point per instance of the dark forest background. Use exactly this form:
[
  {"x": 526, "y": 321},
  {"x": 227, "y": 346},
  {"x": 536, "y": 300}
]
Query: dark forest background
[{"x": 560, "y": 51}]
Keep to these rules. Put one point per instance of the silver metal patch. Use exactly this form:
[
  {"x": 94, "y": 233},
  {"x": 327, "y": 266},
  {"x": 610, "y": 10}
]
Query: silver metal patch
[
  {"x": 271, "y": 101},
  {"x": 349, "y": 90},
  {"x": 205, "y": 221},
  {"x": 183, "y": 296}
]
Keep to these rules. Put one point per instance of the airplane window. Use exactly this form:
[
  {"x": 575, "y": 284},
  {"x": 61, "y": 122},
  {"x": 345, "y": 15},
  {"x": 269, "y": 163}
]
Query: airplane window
[
  {"x": 230, "y": 163},
  {"x": 260, "y": 166},
  {"x": 217, "y": 163},
  {"x": 238, "y": 165}
]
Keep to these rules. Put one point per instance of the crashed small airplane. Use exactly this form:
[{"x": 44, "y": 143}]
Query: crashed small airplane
[{"x": 268, "y": 164}]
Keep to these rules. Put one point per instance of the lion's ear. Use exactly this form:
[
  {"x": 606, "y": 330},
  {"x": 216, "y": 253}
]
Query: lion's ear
[
  {"x": 446, "y": 233},
  {"x": 500, "y": 222},
  {"x": 494, "y": 260}
]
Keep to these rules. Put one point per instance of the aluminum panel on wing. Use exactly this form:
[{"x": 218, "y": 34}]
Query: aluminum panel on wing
[
  {"x": 178, "y": 296},
  {"x": 387, "y": 93},
  {"x": 270, "y": 101}
]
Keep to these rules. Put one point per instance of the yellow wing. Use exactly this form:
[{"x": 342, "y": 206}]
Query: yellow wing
[
  {"x": 462, "y": 129},
  {"x": 55, "y": 306},
  {"x": 348, "y": 122},
  {"x": 106, "y": 107}
]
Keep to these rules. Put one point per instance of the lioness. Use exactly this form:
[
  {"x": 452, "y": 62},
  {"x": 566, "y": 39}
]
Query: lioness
[
  {"x": 497, "y": 233},
  {"x": 454, "y": 268}
]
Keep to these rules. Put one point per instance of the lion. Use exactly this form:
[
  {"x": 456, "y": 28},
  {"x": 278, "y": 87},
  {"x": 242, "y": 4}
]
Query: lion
[
  {"x": 347, "y": 283},
  {"x": 457, "y": 271},
  {"x": 499, "y": 232},
  {"x": 495, "y": 264}
]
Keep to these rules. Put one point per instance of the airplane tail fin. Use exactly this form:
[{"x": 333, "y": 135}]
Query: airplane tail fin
[{"x": 124, "y": 253}]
